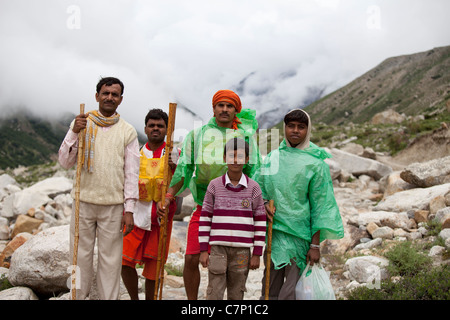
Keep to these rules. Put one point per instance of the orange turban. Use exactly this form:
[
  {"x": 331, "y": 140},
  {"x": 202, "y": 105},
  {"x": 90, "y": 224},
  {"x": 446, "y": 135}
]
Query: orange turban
[{"x": 230, "y": 97}]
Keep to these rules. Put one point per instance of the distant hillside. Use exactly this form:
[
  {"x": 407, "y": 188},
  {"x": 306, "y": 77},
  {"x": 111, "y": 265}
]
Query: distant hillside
[
  {"x": 27, "y": 140},
  {"x": 410, "y": 84}
]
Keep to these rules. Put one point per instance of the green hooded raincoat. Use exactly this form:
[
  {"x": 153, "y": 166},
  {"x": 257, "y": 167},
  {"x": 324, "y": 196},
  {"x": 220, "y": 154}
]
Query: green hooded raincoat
[{"x": 300, "y": 184}]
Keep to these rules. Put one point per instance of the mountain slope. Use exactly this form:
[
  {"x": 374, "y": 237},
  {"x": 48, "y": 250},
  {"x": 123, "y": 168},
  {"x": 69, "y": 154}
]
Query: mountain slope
[
  {"x": 26, "y": 140},
  {"x": 409, "y": 84}
]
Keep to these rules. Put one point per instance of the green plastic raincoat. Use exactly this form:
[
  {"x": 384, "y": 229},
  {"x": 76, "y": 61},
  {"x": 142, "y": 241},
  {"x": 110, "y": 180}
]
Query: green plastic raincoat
[
  {"x": 300, "y": 184},
  {"x": 201, "y": 158}
]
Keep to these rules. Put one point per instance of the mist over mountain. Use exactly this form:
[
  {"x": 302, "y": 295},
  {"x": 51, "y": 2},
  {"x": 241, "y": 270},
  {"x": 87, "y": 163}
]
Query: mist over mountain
[
  {"x": 277, "y": 92},
  {"x": 270, "y": 118}
]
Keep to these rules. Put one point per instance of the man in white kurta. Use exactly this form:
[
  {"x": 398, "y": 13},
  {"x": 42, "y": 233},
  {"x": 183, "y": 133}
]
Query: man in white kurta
[{"x": 108, "y": 189}]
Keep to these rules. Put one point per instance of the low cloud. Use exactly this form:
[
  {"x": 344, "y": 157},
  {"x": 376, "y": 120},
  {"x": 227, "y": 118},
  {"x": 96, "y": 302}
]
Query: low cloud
[{"x": 273, "y": 52}]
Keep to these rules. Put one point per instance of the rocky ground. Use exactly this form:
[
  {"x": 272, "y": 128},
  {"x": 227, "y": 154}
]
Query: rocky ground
[{"x": 381, "y": 201}]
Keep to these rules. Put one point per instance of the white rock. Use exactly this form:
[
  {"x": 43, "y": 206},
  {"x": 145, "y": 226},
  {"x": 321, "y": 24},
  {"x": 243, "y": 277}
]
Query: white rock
[
  {"x": 5, "y": 180},
  {"x": 436, "y": 251},
  {"x": 53, "y": 186},
  {"x": 427, "y": 174},
  {"x": 358, "y": 165},
  {"x": 335, "y": 169},
  {"x": 366, "y": 268},
  {"x": 365, "y": 218},
  {"x": 411, "y": 199},
  {"x": 4, "y": 271},
  {"x": 414, "y": 235},
  {"x": 39, "y": 194},
  {"x": 353, "y": 285},
  {"x": 442, "y": 215},
  {"x": 18, "y": 293},
  {"x": 445, "y": 234},
  {"x": 400, "y": 233},
  {"x": 423, "y": 231},
  {"x": 383, "y": 233},
  {"x": 369, "y": 245},
  {"x": 4, "y": 229},
  {"x": 41, "y": 263},
  {"x": 65, "y": 200}
]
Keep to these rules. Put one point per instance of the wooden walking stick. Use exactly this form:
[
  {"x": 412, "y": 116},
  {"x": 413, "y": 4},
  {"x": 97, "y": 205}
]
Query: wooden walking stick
[
  {"x": 160, "y": 262},
  {"x": 269, "y": 253},
  {"x": 77, "y": 206}
]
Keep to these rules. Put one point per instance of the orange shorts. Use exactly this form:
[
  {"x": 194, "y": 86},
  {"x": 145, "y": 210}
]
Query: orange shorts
[
  {"x": 141, "y": 247},
  {"x": 192, "y": 243}
]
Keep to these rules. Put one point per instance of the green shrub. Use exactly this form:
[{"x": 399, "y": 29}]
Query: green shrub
[
  {"x": 415, "y": 278},
  {"x": 406, "y": 260}
]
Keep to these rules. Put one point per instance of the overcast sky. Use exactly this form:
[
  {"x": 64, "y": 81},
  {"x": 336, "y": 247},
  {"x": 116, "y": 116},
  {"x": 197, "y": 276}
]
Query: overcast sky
[{"x": 53, "y": 52}]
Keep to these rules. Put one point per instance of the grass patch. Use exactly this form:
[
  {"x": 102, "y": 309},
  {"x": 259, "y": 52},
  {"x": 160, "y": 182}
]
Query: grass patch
[{"x": 4, "y": 283}]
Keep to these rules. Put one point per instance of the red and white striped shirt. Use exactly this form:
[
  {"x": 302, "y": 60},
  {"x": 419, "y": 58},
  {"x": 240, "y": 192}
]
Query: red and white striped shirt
[{"x": 233, "y": 216}]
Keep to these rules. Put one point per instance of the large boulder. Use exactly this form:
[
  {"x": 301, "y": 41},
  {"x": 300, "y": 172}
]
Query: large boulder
[
  {"x": 367, "y": 269},
  {"x": 42, "y": 262},
  {"x": 18, "y": 293},
  {"x": 382, "y": 218},
  {"x": 357, "y": 165},
  {"x": 429, "y": 173},
  {"x": 35, "y": 196},
  {"x": 418, "y": 199},
  {"x": 388, "y": 116},
  {"x": 394, "y": 183}
]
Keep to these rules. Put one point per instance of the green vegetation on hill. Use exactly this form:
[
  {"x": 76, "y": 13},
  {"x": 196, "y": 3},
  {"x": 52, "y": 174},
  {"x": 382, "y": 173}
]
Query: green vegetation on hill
[
  {"x": 26, "y": 140},
  {"x": 387, "y": 138}
]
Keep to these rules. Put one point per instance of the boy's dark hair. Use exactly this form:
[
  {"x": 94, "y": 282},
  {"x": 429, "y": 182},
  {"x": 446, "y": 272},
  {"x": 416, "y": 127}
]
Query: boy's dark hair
[
  {"x": 296, "y": 115},
  {"x": 156, "y": 114},
  {"x": 109, "y": 81},
  {"x": 237, "y": 144}
]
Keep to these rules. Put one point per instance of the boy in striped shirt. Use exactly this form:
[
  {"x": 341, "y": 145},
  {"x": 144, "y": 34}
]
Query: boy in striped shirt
[{"x": 233, "y": 220}]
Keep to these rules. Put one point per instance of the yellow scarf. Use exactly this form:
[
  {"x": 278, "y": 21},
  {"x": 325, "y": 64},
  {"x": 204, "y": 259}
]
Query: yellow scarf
[{"x": 95, "y": 120}]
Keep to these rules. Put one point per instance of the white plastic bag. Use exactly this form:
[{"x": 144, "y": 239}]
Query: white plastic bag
[{"x": 314, "y": 284}]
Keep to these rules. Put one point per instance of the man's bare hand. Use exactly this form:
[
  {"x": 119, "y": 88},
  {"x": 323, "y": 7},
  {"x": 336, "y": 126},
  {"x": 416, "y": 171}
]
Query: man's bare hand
[
  {"x": 161, "y": 207},
  {"x": 204, "y": 258},
  {"x": 254, "y": 262},
  {"x": 80, "y": 122},
  {"x": 270, "y": 213},
  {"x": 127, "y": 223}
]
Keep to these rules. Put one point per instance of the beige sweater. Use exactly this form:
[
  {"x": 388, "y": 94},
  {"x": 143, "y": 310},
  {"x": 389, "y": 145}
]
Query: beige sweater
[{"x": 105, "y": 185}]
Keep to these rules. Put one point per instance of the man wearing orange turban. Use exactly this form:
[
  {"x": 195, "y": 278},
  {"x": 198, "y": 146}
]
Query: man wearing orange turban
[
  {"x": 201, "y": 160},
  {"x": 221, "y": 99}
]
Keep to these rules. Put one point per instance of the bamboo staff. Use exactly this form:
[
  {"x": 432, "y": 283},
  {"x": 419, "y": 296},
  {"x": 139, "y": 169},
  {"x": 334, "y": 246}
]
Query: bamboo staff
[
  {"x": 269, "y": 252},
  {"x": 163, "y": 226},
  {"x": 77, "y": 206}
]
